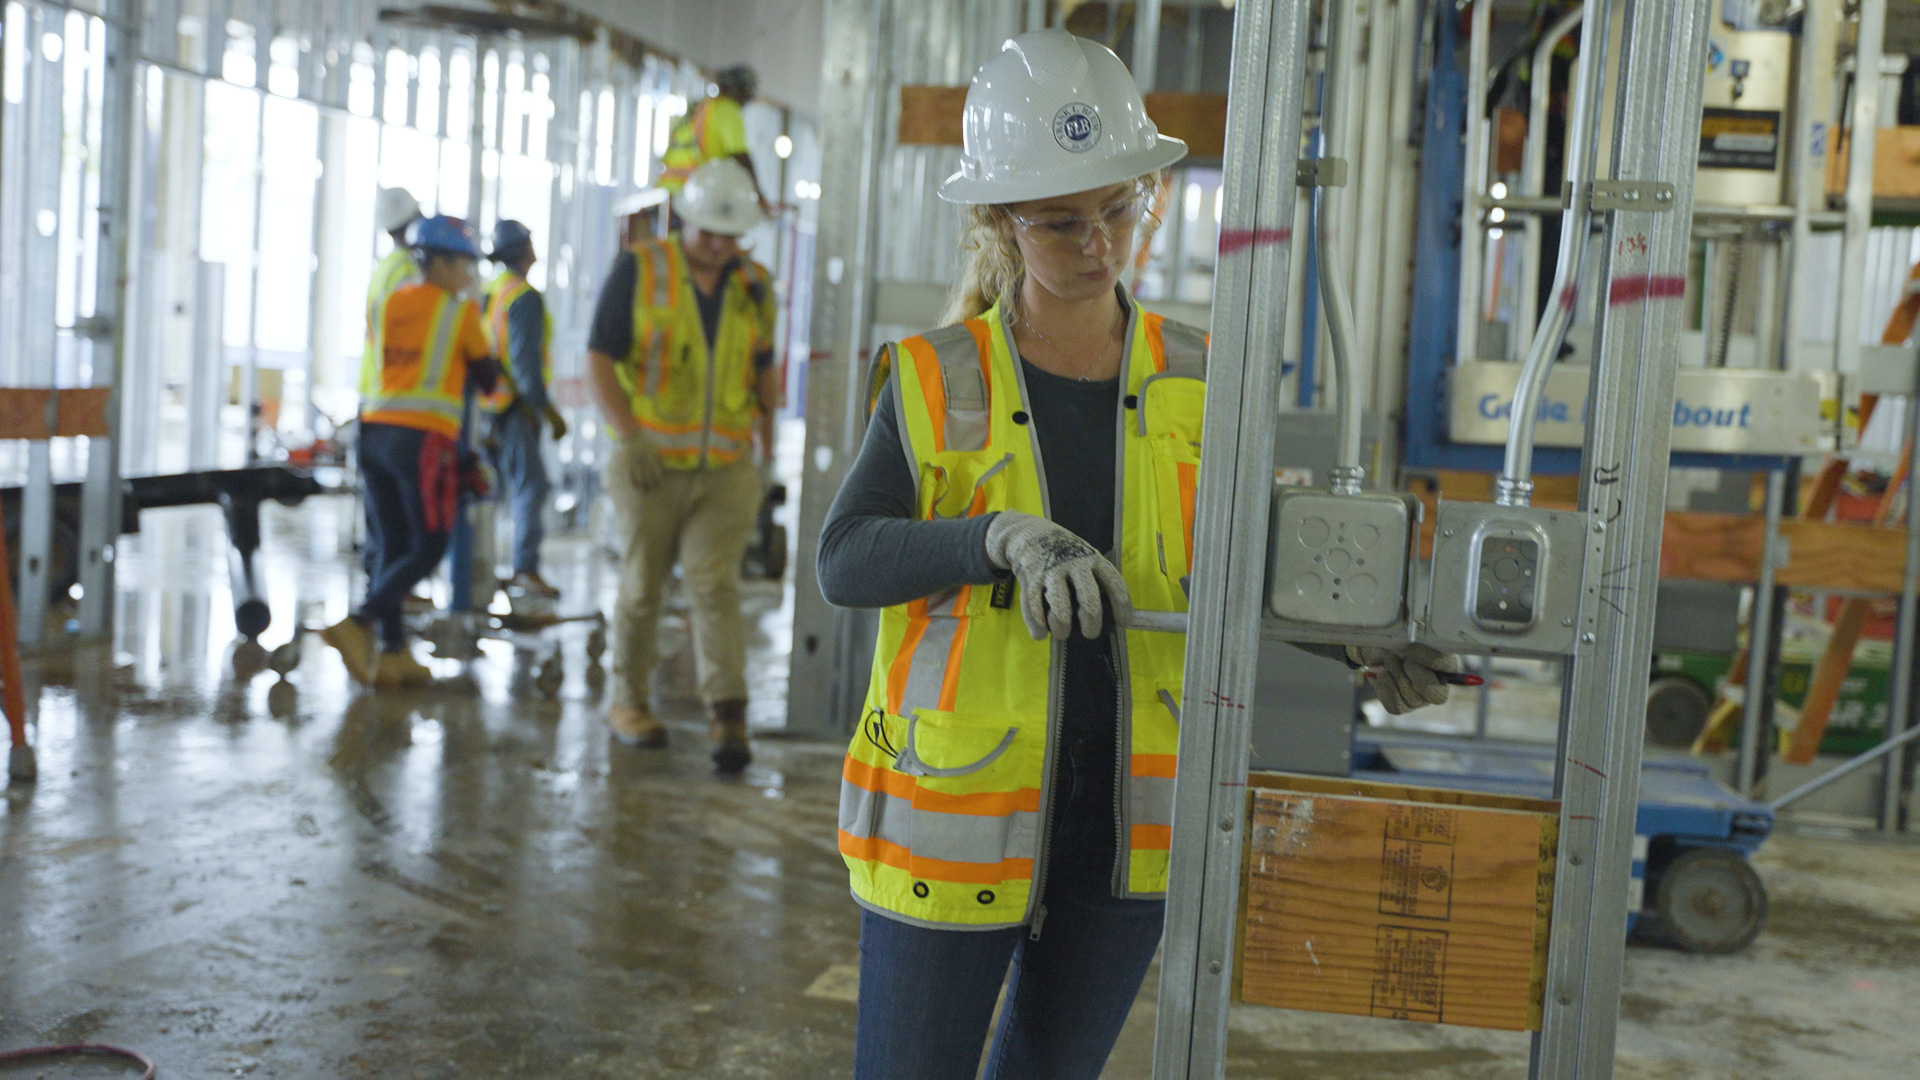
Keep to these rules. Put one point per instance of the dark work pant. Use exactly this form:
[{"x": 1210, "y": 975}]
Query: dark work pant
[
  {"x": 523, "y": 481},
  {"x": 390, "y": 482},
  {"x": 926, "y": 996}
]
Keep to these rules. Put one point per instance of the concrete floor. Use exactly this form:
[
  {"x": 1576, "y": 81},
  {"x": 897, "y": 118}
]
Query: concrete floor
[{"x": 296, "y": 880}]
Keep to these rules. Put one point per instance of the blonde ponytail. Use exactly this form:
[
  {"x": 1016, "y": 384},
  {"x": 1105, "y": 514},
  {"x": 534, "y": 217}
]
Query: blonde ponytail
[{"x": 991, "y": 264}]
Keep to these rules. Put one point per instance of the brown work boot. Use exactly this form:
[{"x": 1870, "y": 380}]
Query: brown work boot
[
  {"x": 354, "y": 639},
  {"x": 727, "y": 731},
  {"x": 637, "y": 727}
]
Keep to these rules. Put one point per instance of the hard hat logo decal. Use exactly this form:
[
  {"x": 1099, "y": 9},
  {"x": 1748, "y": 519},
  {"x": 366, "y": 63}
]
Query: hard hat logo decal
[{"x": 1076, "y": 127}]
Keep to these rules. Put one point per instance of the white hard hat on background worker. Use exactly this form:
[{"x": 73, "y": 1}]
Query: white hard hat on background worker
[
  {"x": 1052, "y": 114},
  {"x": 395, "y": 208},
  {"x": 721, "y": 198}
]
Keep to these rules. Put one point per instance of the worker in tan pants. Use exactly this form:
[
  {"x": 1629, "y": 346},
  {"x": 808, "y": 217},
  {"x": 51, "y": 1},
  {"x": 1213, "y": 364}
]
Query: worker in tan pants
[{"x": 681, "y": 356}]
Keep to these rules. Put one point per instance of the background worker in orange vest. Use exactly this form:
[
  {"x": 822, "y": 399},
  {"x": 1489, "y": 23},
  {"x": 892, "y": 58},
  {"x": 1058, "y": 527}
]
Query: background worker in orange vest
[
  {"x": 521, "y": 331},
  {"x": 432, "y": 348},
  {"x": 713, "y": 130},
  {"x": 681, "y": 355},
  {"x": 395, "y": 209}
]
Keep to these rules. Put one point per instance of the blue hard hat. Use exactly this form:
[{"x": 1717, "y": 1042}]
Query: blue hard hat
[
  {"x": 510, "y": 241},
  {"x": 443, "y": 235}
]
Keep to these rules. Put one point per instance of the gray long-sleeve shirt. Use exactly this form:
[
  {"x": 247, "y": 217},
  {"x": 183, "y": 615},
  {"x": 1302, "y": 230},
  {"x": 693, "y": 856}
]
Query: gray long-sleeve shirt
[{"x": 873, "y": 552}]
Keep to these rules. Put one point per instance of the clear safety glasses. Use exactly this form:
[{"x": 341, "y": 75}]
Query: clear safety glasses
[{"x": 1071, "y": 232}]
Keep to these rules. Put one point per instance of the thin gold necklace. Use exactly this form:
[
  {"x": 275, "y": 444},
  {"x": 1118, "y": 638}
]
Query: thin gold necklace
[{"x": 1035, "y": 331}]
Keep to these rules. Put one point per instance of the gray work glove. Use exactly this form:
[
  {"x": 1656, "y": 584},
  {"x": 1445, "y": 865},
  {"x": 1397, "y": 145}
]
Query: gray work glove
[
  {"x": 643, "y": 461},
  {"x": 1406, "y": 679},
  {"x": 1059, "y": 574}
]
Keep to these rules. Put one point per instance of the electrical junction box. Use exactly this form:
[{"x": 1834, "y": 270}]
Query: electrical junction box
[
  {"x": 1505, "y": 579},
  {"x": 1338, "y": 566}
]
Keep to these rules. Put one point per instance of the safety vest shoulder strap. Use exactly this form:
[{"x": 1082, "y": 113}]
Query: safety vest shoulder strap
[
  {"x": 655, "y": 284},
  {"x": 950, "y": 370},
  {"x": 1185, "y": 348}
]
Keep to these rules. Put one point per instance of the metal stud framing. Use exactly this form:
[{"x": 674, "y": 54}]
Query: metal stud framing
[
  {"x": 1623, "y": 492},
  {"x": 1230, "y": 528}
]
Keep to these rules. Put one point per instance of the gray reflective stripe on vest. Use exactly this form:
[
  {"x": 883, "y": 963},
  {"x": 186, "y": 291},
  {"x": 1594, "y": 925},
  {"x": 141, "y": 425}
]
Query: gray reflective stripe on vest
[
  {"x": 1185, "y": 348},
  {"x": 673, "y": 440},
  {"x": 965, "y": 385},
  {"x": 656, "y": 348},
  {"x": 662, "y": 280},
  {"x": 446, "y": 319},
  {"x": 931, "y": 834},
  {"x": 927, "y": 670},
  {"x": 411, "y": 402},
  {"x": 662, "y": 298},
  {"x": 1150, "y": 800}
]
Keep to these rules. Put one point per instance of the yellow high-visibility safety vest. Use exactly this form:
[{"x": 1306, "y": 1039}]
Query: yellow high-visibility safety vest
[
  {"x": 697, "y": 404},
  {"x": 421, "y": 385},
  {"x": 714, "y": 128},
  {"x": 393, "y": 271},
  {"x": 945, "y": 793},
  {"x": 500, "y": 295}
]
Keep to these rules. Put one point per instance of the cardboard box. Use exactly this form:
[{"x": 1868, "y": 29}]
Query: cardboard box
[{"x": 1395, "y": 901}]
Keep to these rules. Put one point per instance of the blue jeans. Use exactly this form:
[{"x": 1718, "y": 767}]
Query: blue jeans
[
  {"x": 406, "y": 552},
  {"x": 926, "y": 996},
  {"x": 523, "y": 481}
]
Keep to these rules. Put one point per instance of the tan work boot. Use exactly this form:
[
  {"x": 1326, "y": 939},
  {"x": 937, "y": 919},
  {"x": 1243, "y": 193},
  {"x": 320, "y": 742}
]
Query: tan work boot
[
  {"x": 727, "y": 731},
  {"x": 637, "y": 727},
  {"x": 532, "y": 584},
  {"x": 396, "y": 670},
  {"x": 354, "y": 640}
]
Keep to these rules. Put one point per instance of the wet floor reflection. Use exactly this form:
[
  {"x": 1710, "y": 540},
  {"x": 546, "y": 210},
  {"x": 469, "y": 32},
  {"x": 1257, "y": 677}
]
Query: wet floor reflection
[{"x": 292, "y": 877}]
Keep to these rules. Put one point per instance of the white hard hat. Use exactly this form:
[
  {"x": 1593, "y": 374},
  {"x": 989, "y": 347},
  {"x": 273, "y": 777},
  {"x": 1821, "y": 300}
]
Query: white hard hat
[
  {"x": 394, "y": 208},
  {"x": 719, "y": 197},
  {"x": 1053, "y": 114}
]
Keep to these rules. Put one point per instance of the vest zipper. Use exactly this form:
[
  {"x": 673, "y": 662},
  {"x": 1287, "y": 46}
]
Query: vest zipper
[
  {"x": 1122, "y": 849},
  {"x": 1055, "y": 709}
]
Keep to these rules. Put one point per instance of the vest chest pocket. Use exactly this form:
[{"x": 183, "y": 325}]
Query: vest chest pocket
[
  {"x": 963, "y": 483},
  {"x": 1171, "y": 412}
]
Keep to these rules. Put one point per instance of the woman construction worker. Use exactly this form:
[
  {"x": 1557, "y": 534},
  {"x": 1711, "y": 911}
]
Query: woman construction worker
[
  {"x": 1027, "y": 479},
  {"x": 681, "y": 357},
  {"x": 521, "y": 331},
  {"x": 432, "y": 348}
]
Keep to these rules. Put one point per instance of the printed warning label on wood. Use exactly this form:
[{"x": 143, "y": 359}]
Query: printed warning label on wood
[
  {"x": 1416, "y": 862},
  {"x": 1409, "y": 973},
  {"x": 1410, "y": 906}
]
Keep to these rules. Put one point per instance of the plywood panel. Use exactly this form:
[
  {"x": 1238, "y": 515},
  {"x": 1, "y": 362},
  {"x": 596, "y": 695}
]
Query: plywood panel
[
  {"x": 23, "y": 413},
  {"x": 1409, "y": 910}
]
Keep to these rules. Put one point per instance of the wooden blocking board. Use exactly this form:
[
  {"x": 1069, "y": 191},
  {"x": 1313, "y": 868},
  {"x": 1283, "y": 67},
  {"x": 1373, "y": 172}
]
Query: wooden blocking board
[{"x": 1418, "y": 904}]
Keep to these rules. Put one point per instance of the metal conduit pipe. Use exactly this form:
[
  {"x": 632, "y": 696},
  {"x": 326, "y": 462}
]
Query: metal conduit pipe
[
  {"x": 1533, "y": 174},
  {"x": 1347, "y": 474},
  {"x": 1514, "y": 487}
]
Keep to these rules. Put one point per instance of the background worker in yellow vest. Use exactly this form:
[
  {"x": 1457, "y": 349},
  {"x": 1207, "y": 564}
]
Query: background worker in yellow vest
[
  {"x": 681, "y": 353},
  {"x": 394, "y": 209},
  {"x": 1027, "y": 480},
  {"x": 432, "y": 348},
  {"x": 521, "y": 332},
  {"x": 713, "y": 130}
]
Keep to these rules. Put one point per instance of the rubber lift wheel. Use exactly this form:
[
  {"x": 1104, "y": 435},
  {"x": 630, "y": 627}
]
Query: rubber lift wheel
[{"x": 1711, "y": 901}]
